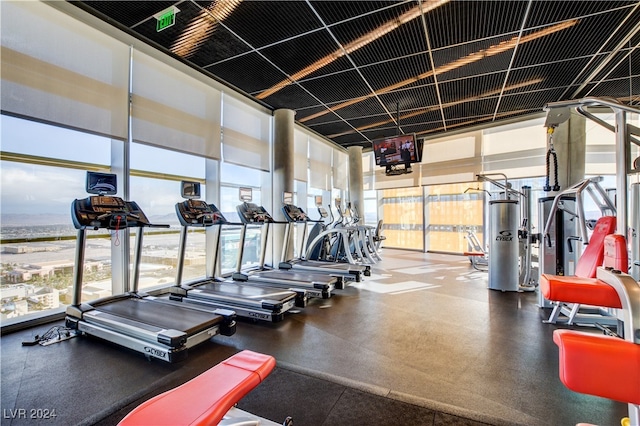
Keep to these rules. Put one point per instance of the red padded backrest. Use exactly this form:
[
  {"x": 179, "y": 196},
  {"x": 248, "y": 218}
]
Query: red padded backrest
[
  {"x": 615, "y": 253},
  {"x": 599, "y": 365},
  {"x": 593, "y": 255}
]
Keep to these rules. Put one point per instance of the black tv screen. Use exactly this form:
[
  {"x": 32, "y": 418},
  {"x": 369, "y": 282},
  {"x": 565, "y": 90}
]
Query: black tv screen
[
  {"x": 101, "y": 183},
  {"x": 402, "y": 149}
]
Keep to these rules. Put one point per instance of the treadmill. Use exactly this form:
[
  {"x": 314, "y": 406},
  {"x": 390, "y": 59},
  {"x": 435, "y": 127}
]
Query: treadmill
[
  {"x": 316, "y": 285},
  {"x": 133, "y": 320},
  {"x": 255, "y": 302},
  {"x": 348, "y": 271}
]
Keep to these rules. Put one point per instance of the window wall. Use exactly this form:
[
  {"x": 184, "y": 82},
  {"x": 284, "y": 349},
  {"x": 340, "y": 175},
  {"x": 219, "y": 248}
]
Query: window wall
[
  {"x": 402, "y": 210},
  {"x": 42, "y": 170},
  {"x": 66, "y": 109},
  {"x": 454, "y": 202},
  {"x": 232, "y": 178},
  {"x": 453, "y": 212}
]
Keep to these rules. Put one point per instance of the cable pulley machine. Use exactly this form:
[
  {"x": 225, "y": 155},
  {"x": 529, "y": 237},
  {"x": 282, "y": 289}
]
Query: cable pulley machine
[{"x": 551, "y": 155}]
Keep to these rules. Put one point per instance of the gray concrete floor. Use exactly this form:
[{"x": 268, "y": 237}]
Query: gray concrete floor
[
  {"x": 426, "y": 326},
  {"x": 423, "y": 328}
]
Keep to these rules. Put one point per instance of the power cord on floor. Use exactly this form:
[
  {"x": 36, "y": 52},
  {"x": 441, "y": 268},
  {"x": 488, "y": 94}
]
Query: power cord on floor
[{"x": 54, "y": 334}]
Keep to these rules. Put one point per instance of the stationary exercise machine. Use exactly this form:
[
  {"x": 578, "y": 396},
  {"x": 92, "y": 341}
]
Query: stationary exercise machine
[
  {"x": 510, "y": 238},
  {"x": 294, "y": 215},
  {"x": 315, "y": 285},
  {"x": 634, "y": 229},
  {"x": 344, "y": 241},
  {"x": 210, "y": 398},
  {"x": 133, "y": 319},
  {"x": 557, "y": 253},
  {"x": 607, "y": 366},
  {"x": 255, "y": 302},
  {"x": 565, "y": 237}
]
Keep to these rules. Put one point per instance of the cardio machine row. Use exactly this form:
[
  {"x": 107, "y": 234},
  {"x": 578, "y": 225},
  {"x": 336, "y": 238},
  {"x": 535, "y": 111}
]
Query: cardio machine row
[{"x": 166, "y": 327}]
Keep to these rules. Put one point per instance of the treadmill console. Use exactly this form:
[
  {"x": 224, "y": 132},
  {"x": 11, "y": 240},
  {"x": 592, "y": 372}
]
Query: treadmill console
[
  {"x": 252, "y": 213},
  {"x": 198, "y": 213},
  {"x": 294, "y": 213},
  {"x": 107, "y": 212},
  {"x": 323, "y": 212}
]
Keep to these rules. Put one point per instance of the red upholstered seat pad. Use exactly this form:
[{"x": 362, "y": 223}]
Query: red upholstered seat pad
[
  {"x": 587, "y": 291},
  {"x": 598, "y": 365},
  {"x": 206, "y": 398}
]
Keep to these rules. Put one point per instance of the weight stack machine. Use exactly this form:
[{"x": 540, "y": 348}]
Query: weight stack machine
[
  {"x": 503, "y": 246},
  {"x": 634, "y": 231},
  {"x": 557, "y": 254}
]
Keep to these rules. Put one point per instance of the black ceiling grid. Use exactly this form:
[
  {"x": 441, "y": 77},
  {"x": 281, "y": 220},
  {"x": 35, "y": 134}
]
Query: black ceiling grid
[
  {"x": 566, "y": 48},
  {"x": 333, "y": 12},
  {"x": 461, "y": 22},
  {"x": 251, "y": 72},
  {"x": 469, "y": 88},
  {"x": 262, "y": 25}
]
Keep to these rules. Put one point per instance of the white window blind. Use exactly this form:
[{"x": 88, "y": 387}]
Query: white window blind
[
  {"x": 368, "y": 171},
  {"x": 517, "y": 150},
  {"x": 600, "y": 155},
  {"x": 173, "y": 110},
  {"x": 246, "y": 134},
  {"x": 59, "y": 70},
  {"x": 409, "y": 180},
  {"x": 320, "y": 155},
  {"x": 450, "y": 160},
  {"x": 340, "y": 169},
  {"x": 301, "y": 155}
]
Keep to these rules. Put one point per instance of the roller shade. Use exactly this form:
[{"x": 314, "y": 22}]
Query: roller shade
[
  {"x": 320, "y": 156},
  {"x": 340, "y": 169},
  {"x": 600, "y": 155},
  {"x": 301, "y": 155},
  {"x": 450, "y": 160},
  {"x": 59, "y": 70},
  {"x": 246, "y": 134},
  {"x": 381, "y": 181},
  {"x": 368, "y": 171},
  {"x": 172, "y": 110},
  {"x": 502, "y": 150}
]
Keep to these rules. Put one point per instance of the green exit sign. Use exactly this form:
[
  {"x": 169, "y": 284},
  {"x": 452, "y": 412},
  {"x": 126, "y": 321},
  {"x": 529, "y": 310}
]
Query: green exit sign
[{"x": 166, "y": 18}]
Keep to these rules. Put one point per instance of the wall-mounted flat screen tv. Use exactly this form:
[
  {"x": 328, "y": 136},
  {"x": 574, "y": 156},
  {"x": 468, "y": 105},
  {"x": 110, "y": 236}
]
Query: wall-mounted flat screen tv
[{"x": 402, "y": 149}]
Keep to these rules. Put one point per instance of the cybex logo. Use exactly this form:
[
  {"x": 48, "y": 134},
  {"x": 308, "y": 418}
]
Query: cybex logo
[
  {"x": 258, "y": 315},
  {"x": 155, "y": 352},
  {"x": 504, "y": 236}
]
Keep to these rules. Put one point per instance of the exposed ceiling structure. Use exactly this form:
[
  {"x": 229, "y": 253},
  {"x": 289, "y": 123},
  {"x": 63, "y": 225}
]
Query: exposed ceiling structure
[{"x": 355, "y": 71}]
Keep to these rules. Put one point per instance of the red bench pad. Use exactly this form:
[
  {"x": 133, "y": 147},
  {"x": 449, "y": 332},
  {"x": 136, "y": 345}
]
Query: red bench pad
[
  {"x": 206, "y": 398},
  {"x": 598, "y": 365},
  {"x": 473, "y": 253},
  {"x": 593, "y": 254},
  {"x": 587, "y": 291}
]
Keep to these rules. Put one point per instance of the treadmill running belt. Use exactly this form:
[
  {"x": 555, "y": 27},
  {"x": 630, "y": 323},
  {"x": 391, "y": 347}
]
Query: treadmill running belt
[
  {"x": 247, "y": 292},
  {"x": 295, "y": 276},
  {"x": 162, "y": 315}
]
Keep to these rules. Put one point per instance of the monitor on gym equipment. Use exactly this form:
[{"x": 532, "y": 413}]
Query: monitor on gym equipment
[
  {"x": 190, "y": 190},
  {"x": 101, "y": 183}
]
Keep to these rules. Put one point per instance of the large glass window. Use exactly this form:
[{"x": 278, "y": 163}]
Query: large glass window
[
  {"x": 37, "y": 236},
  {"x": 233, "y": 178},
  {"x": 403, "y": 213},
  {"x": 454, "y": 214},
  {"x": 43, "y": 140}
]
